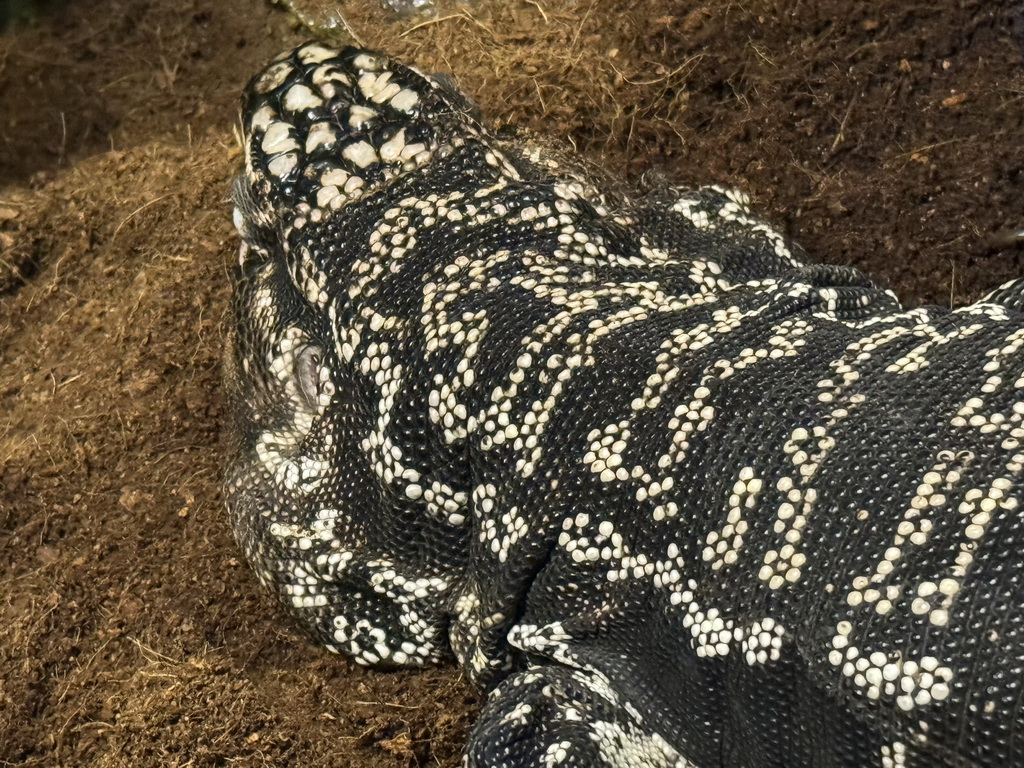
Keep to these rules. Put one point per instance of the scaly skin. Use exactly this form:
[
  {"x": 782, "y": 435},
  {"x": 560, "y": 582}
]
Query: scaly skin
[{"x": 670, "y": 493}]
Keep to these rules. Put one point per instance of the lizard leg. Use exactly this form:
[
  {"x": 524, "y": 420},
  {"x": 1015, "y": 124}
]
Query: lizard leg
[{"x": 552, "y": 715}]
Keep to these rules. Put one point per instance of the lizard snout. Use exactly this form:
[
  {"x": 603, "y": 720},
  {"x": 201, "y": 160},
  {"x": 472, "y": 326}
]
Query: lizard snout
[{"x": 325, "y": 127}]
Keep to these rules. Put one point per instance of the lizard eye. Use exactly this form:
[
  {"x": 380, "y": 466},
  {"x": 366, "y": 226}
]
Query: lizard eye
[{"x": 307, "y": 371}]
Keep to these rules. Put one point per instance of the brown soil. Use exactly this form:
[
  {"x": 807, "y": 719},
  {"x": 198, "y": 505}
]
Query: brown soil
[{"x": 888, "y": 135}]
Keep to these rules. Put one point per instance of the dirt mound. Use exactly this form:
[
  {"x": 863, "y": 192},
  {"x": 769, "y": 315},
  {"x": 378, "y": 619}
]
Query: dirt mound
[{"x": 886, "y": 135}]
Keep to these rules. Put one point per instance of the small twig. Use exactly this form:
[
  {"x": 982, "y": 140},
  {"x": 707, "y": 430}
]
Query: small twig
[
  {"x": 540, "y": 97},
  {"x": 764, "y": 56},
  {"x": 539, "y": 8},
  {"x": 62, "y": 153},
  {"x": 386, "y": 704},
  {"x": 579, "y": 28},
  {"x": 337, "y": 18},
  {"x": 663, "y": 78},
  {"x": 138, "y": 210},
  {"x": 428, "y": 22},
  {"x": 149, "y": 653},
  {"x": 463, "y": 16},
  {"x": 952, "y": 281},
  {"x": 919, "y": 150},
  {"x": 842, "y": 129}
]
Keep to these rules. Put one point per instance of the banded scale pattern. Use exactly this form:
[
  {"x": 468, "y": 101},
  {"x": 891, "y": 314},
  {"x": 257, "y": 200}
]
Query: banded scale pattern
[{"x": 670, "y": 492}]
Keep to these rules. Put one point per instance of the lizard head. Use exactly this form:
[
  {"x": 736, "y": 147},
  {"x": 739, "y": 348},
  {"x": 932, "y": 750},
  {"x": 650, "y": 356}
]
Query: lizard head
[
  {"x": 324, "y": 128},
  {"x": 324, "y": 486}
]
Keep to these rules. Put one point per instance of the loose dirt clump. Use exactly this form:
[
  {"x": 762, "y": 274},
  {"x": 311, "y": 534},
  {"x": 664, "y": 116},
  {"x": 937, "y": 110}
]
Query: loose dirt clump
[{"x": 886, "y": 135}]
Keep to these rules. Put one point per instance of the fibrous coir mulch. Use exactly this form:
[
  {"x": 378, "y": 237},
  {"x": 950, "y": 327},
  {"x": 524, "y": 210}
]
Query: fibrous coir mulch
[{"x": 887, "y": 135}]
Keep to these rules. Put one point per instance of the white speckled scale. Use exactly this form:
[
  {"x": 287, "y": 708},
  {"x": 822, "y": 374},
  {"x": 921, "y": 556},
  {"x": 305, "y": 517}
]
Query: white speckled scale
[{"x": 670, "y": 493}]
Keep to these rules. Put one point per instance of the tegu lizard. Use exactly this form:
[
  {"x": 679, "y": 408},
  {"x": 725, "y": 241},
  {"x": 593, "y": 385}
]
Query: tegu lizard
[{"x": 671, "y": 493}]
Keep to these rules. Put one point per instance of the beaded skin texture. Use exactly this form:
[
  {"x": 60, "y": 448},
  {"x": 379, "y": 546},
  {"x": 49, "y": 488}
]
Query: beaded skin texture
[{"x": 669, "y": 492}]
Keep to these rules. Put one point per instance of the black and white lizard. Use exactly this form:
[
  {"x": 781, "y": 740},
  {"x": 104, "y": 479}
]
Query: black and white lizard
[{"x": 670, "y": 493}]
